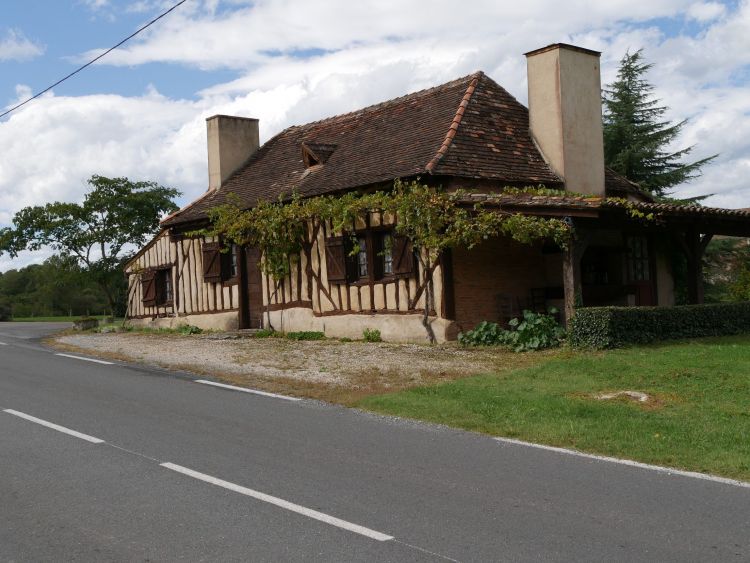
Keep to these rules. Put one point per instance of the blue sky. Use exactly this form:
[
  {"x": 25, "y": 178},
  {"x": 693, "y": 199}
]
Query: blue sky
[
  {"x": 141, "y": 111},
  {"x": 64, "y": 30}
]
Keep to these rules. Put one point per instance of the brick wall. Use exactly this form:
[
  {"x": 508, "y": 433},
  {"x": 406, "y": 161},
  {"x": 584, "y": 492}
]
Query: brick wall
[{"x": 499, "y": 267}]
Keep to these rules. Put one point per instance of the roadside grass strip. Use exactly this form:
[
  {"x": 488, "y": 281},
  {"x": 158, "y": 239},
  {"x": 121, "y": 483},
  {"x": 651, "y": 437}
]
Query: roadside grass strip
[
  {"x": 627, "y": 462},
  {"x": 85, "y": 359},
  {"x": 246, "y": 390},
  {"x": 684, "y": 405},
  {"x": 281, "y": 503},
  {"x": 54, "y": 426}
]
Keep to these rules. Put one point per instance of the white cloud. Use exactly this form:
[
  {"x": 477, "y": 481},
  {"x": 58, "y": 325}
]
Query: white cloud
[
  {"x": 706, "y": 11},
  {"x": 15, "y": 46},
  {"x": 96, "y": 4},
  {"x": 198, "y": 34},
  {"x": 367, "y": 52}
]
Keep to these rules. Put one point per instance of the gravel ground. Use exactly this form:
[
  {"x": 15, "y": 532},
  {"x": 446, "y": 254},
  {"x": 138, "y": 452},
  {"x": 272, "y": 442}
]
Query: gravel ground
[{"x": 328, "y": 369}]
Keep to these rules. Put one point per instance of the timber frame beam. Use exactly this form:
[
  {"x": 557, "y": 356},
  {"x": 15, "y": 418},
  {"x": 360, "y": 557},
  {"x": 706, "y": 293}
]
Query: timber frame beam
[{"x": 572, "y": 269}]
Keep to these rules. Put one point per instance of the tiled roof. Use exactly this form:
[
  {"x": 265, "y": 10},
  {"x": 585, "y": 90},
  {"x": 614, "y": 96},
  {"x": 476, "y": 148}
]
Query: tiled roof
[
  {"x": 468, "y": 128},
  {"x": 571, "y": 202}
]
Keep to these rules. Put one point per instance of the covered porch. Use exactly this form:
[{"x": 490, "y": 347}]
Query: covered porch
[{"x": 621, "y": 254}]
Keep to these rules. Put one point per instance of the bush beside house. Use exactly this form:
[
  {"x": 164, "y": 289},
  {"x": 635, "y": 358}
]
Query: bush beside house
[{"x": 611, "y": 327}]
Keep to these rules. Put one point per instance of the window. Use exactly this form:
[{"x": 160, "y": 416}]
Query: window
[
  {"x": 157, "y": 287},
  {"x": 220, "y": 265},
  {"x": 638, "y": 263},
  {"x": 362, "y": 270},
  {"x": 380, "y": 254},
  {"x": 230, "y": 264},
  {"x": 164, "y": 291},
  {"x": 386, "y": 254}
]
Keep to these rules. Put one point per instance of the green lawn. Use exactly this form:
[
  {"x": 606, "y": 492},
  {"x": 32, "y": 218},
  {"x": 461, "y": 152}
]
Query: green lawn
[{"x": 699, "y": 418}]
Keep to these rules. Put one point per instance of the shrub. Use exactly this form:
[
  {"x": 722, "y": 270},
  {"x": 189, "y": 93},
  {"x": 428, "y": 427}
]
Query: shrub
[
  {"x": 86, "y": 323},
  {"x": 610, "y": 327},
  {"x": 189, "y": 329},
  {"x": 371, "y": 335},
  {"x": 305, "y": 335},
  {"x": 484, "y": 334},
  {"x": 264, "y": 333},
  {"x": 534, "y": 331}
]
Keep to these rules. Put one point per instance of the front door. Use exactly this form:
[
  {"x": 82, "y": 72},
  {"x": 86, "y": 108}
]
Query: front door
[
  {"x": 251, "y": 287},
  {"x": 640, "y": 269}
]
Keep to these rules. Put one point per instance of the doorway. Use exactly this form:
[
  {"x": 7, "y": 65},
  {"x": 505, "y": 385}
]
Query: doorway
[{"x": 251, "y": 289}]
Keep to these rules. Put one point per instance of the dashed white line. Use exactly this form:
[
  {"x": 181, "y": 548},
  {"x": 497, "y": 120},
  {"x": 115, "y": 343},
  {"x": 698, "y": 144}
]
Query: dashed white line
[
  {"x": 629, "y": 462},
  {"x": 3, "y": 343},
  {"x": 55, "y": 426},
  {"x": 245, "y": 390},
  {"x": 281, "y": 503},
  {"x": 86, "y": 359}
]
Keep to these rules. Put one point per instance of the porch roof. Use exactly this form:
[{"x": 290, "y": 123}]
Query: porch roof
[{"x": 707, "y": 220}]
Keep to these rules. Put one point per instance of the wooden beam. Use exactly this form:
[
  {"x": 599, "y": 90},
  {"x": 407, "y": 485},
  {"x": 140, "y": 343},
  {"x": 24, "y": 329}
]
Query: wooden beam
[
  {"x": 572, "y": 272},
  {"x": 695, "y": 245}
]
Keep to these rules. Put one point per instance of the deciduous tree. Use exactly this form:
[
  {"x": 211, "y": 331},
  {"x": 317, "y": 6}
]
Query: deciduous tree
[{"x": 117, "y": 216}]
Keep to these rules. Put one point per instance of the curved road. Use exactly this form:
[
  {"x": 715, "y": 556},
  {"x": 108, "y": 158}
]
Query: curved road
[{"x": 113, "y": 462}]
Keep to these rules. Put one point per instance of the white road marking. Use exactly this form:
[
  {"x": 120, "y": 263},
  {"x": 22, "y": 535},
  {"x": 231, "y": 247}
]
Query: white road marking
[
  {"x": 3, "y": 343},
  {"x": 343, "y": 524},
  {"x": 86, "y": 359},
  {"x": 55, "y": 426},
  {"x": 630, "y": 463},
  {"x": 245, "y": 390}
]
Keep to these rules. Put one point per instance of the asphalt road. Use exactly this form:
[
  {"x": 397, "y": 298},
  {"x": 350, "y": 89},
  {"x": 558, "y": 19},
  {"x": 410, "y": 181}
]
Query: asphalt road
[{"x": 163, "y": 468}]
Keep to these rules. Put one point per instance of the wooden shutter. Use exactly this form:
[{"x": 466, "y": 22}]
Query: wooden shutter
[
  {"x": 336, "y": 259},
  {"x": 211, "y": 262},
  {"x": 148, "y": 287},
  {"x": 403, "y": 256}
]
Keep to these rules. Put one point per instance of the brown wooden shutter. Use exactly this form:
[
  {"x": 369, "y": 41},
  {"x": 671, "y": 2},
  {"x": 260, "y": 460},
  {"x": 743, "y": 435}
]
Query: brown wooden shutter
[
  {"x": 336, "y": 259},
  {"x": 148, "y": 288},
  {"x": 403, "y": 255},
  {"x": 211, "y": 262}
]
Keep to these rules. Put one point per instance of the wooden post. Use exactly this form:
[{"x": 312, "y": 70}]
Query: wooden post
[
  {"x": 694, "y": 245},
  {"x": 572, "y": 273}
]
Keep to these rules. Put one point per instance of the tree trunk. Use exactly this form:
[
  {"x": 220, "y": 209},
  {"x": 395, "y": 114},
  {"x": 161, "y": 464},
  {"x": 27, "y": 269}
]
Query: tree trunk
[
  {"x": 428, "y": 299},
  {"x": 110, "y": 297}
]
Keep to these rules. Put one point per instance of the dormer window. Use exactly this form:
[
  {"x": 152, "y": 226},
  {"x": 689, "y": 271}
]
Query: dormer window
[{"x": 314, "y": 154}]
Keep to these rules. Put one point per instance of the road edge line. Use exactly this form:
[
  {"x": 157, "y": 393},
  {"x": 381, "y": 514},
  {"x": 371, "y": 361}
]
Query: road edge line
[{"x": 627, "y": 462}]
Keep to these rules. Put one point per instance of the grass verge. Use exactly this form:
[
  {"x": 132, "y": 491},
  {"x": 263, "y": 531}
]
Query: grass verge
[{"x": 698, "y": 416}]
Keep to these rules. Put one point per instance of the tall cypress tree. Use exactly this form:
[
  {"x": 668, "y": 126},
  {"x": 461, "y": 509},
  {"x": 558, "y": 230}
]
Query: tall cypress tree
[{"x": 635, "y": 138}]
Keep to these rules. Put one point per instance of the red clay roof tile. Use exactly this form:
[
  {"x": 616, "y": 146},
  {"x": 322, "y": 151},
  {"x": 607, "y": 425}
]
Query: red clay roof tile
[{"x": 468, "y": 128}]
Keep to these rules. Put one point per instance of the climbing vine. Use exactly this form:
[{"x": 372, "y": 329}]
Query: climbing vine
[
  {"x": 434, "y": 220},
  {"x": 431, "y": 218}
]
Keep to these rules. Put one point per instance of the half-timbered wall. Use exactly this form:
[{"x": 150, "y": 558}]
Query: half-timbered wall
[
  {"x": 194, "y": 300},
  {"x": 308, "y": 300}
]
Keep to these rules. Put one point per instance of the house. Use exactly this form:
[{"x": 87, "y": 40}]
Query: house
[{"x": 470, "y": 134}]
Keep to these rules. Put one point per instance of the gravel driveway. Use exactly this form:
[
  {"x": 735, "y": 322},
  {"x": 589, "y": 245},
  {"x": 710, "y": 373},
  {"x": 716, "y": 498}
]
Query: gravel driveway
[{"x": 329, "y": 369}]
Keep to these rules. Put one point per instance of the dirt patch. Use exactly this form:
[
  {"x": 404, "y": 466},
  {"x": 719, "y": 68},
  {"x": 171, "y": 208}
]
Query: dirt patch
[
  {"x": 646, "y": 401},
  {"x": 331, "y": 370}
]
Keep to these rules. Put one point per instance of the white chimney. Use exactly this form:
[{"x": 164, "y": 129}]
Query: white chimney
[
  {"x": 231, "y": 141},
  {"x": 565, "y": 114}
]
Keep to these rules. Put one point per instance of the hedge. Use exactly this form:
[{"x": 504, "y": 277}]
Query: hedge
[{"x": 610, "y": 327}]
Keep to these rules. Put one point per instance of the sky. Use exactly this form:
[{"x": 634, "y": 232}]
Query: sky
[{"x": 140, "y": 111}]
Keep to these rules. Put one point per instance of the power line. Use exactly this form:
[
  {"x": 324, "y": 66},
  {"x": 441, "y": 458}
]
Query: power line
[{"x": 92, "y": 61}]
